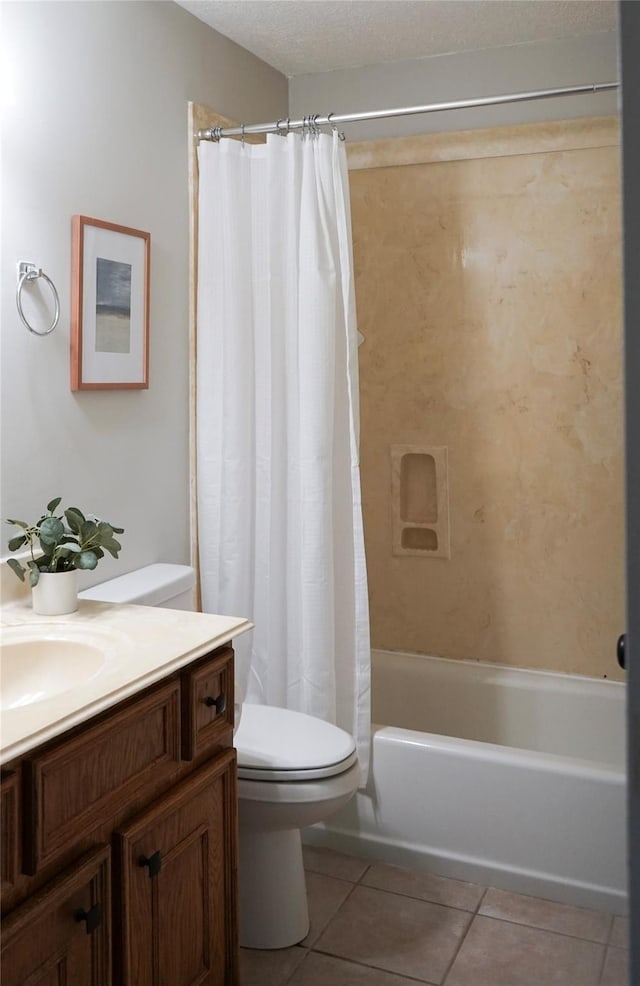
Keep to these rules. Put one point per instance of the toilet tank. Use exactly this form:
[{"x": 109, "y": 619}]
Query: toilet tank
[{"x": 167, "y": 585}]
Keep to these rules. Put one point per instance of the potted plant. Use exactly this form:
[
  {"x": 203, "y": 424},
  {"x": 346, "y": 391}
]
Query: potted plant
[{"x": 58, "y": 550}]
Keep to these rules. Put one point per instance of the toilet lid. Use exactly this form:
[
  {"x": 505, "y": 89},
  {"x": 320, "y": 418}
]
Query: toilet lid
[{"x": 279, "y": 744}]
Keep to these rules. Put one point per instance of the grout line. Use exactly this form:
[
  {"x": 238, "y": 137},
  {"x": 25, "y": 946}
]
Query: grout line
[
  {"x": 463, "y": 939},
  {"x": 602, "y": 964},
  {"x": 613, "y": 917},
  {"x": 378, "y": 968},
  {"x": 330, "y": 876},
  {"x": 425, "y": 900},
  {"x": 482, "y": 897},
  {"x": 299, "y": 966},
  {"x": 364, "y": 873},
  {"x": 326, "y": 924},
  {"x": 537, "y": 927}
]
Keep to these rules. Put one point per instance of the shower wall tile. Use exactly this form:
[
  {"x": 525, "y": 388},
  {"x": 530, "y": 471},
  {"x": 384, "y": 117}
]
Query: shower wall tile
[
  {"x": 554, "y": 135},
  {"x": 489, "y": 294}
]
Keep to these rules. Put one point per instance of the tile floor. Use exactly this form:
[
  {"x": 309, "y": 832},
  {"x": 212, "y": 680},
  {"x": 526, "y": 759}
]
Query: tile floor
[{"x": 378, "y": 925}]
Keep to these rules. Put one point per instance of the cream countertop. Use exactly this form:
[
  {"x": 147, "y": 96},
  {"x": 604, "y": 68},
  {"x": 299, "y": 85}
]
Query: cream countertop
[{"x": 141, "y": 645}]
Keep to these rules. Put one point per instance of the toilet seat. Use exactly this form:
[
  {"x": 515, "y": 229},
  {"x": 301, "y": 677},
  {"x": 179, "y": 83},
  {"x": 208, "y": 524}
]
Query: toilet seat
[{"x": 275, "y": 744}]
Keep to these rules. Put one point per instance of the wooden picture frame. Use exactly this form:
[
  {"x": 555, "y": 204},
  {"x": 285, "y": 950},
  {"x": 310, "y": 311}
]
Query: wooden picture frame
[{"x": 109, "y": 306}]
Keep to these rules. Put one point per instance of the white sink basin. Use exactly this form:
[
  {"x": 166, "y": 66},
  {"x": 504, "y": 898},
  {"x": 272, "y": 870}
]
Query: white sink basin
[{"x": 38, "y": 665}]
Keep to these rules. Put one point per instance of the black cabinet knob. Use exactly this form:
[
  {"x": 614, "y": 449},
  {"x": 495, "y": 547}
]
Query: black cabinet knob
[
  {"x": 153, "y": 862},
  {"x": 220, "y": 702},
  {"x": 92, "y": 917},
  {"x": 620, "y": 650}
]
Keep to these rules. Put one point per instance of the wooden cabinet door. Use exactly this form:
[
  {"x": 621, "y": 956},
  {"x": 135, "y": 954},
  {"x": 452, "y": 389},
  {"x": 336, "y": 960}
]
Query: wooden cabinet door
[
  {"x": 178, "y": 884},
  {"x": 61, "y": 935}
]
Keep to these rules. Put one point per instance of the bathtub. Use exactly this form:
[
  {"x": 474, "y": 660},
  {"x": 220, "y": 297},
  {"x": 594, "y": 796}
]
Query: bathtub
[{"x": 519, "y": 782}]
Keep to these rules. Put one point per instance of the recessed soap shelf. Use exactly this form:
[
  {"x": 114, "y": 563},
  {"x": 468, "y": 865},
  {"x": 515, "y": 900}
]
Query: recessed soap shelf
[{"x": 420, "y": 501}]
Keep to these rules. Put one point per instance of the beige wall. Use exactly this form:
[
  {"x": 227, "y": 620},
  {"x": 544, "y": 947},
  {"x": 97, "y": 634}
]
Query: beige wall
[{"x": 488, "y": 292}]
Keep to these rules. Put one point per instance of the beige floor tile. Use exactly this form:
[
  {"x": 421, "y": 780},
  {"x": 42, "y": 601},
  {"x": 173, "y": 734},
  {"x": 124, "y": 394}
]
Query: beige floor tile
[
  {"x": 325, "y": 970},
  {"x": 620, "y": 932},
  {"x": 547, "y": 914},
  {"x": 272, "y": 967},
  {"x": 324, "y": 896},
  {"x": 334, "y": 863},
  {"x": 398, "y": 934},
  {"x": 615, "y": 968},
  {"x": 499, "y": 953},
  {"x": 424, "y": 886}
]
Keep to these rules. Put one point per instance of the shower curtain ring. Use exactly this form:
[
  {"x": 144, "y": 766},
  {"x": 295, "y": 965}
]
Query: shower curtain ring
[{"x": 334, "y": 127}]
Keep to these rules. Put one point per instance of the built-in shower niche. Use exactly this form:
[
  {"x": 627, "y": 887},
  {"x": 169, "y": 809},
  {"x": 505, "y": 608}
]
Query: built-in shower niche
[{"x": 420, "y": 501}]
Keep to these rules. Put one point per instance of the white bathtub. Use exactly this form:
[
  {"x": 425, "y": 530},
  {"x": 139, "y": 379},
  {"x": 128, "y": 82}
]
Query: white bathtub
[{"x": 519, "y": 781}]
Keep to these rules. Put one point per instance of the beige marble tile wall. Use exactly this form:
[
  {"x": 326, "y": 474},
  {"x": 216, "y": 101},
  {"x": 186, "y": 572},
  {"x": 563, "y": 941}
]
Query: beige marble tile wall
[{"x": 488, "y": 279}]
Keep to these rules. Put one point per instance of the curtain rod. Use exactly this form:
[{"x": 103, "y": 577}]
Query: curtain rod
[{"x": 284, "y": 126}]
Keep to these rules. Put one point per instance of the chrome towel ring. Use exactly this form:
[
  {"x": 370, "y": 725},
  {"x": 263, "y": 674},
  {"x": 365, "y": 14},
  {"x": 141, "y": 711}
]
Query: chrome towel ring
[{"x": 29, "y": 272}]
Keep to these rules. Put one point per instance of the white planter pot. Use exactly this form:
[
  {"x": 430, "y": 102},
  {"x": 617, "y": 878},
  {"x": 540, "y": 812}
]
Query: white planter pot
[{"x": 56, "y": 593}]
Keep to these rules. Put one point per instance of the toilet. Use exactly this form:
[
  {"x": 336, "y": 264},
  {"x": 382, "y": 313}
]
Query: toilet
[{"x": 293, "y": 770}]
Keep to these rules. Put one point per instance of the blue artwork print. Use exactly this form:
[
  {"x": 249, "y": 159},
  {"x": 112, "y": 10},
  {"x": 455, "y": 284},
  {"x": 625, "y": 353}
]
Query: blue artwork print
[{"x": 113, "y": 306}]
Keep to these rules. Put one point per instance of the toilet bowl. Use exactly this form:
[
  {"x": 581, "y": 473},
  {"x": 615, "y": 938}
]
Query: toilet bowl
[{"x": 293, "y": 770}]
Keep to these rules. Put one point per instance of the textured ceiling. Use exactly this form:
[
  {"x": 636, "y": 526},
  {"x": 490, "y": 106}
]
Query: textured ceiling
[{"x": 304, "y": 36}]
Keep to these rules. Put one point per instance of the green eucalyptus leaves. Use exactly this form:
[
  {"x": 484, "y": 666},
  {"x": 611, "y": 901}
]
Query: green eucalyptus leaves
[{"x": 81, "y": 543}]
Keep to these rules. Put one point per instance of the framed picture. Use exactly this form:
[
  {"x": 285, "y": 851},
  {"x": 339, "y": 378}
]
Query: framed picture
[{"x": 109, "y": 306}]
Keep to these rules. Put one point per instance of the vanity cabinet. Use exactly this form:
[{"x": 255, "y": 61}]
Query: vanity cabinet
[{"x": 124, "y": 843}]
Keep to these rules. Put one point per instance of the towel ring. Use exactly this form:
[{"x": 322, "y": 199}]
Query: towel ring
[{"x": 29, "y": 272}]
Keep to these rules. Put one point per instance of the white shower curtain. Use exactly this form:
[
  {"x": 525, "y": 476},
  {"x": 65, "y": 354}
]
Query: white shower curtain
[{"x": 279, "y": 511}]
